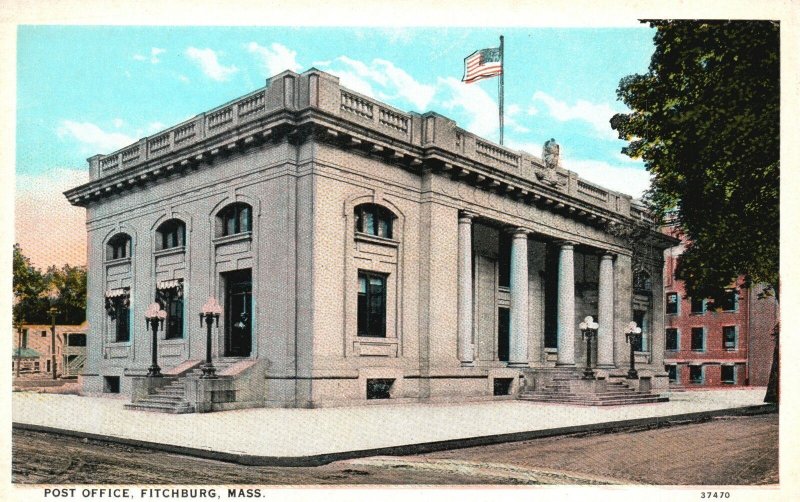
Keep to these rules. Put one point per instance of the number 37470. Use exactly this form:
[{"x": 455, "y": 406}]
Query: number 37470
[{"x": 715, "y": 495}]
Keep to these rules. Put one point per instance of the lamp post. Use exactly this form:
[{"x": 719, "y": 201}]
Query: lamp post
[
  {"x": 18, "y": 324},
  {"x": 154, "y": 316},
  {"x": 209, "y": 313},
  {"x": 52, "y": 297},
  {"x": 633, "y": 335},
  {"x": 589, "y": 330}
]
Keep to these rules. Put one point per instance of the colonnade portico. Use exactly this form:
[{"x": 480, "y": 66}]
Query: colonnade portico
[{"x": 519, "y": 351}]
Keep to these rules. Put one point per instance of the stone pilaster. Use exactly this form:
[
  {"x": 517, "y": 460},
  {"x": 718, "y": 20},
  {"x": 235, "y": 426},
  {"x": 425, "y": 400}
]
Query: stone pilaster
[
  {"x": 466, "y": 352},
  {"x": 605, "y": 333},
  {"x": 518, "y": 354},
  {"x": 566, "y": 305}
]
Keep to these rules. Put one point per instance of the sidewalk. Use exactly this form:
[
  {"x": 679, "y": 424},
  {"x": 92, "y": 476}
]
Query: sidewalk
[{"x": 315, "y": 436}]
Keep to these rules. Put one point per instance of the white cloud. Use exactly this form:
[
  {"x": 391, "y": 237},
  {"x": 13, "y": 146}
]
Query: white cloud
[
  {"x": 184, "y": 79},
  {"x": 475, "y": 102},
  {"x": 630, "y": 180},
  {"x": 597, "y": 115},
  {"x": 155, "y": 127},
  {"x": 209, "y": 64},
  {"x": 92, "y": 138},
  {"x": 380, "y": 79},
  {"x": 118, "y": 123},
  {"x": 49, "y": 229},
  {"x": 275, "y": 58},
  {"x": 153, "y": 58}
]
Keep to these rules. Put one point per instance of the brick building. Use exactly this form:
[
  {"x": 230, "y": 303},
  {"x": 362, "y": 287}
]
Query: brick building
[
  {"x": 36, "y": 349},
  {"x": 716, "y": 345}
]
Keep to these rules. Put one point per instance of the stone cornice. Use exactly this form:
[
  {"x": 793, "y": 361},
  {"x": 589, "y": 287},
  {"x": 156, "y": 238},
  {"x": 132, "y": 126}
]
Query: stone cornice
[{"x": 312, "y": 105}]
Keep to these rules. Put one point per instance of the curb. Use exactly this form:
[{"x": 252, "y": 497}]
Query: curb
[{"x": 410, "y": 449}]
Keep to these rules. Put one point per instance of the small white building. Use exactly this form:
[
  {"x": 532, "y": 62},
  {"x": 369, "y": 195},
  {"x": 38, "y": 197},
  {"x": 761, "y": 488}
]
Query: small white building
[{"x": 358, "y": 252}]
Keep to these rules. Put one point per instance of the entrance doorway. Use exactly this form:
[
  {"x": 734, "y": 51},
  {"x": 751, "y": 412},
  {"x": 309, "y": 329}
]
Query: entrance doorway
[{"x": 238, "y": 313}]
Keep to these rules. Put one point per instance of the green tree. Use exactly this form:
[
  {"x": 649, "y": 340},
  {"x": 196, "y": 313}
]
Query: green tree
[
  {"x": 705, "y": 120},
  {"x": 70, "y": 284},
  {"x": 28, "y": 285}
]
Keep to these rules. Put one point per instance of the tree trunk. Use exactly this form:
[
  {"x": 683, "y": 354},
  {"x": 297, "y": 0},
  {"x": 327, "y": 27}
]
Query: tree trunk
[{"x": 772, "y": 386}]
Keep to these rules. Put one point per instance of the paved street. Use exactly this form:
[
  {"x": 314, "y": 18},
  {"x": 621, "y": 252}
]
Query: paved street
[{"x": 741, "y": 450}]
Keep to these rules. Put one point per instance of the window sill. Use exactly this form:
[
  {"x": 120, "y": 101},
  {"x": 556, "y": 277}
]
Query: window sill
[
  {"x": 118, "y": 261},
  {"x": 228, "y": 239},
  {"x": 170, "y": 251},
  {"x": 374, "y": 239},
  {"x": 114, "y": 343},
  {"x": 173, "y": 341}
]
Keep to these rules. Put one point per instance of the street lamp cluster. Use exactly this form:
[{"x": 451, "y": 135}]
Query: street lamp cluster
[
  {"x": 155, "y": 315},
  {"x": 633, "y": 335}
]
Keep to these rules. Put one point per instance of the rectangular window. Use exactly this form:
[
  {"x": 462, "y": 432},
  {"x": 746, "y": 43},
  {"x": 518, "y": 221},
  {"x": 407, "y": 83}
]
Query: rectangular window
[
  {"x": 698, "y": 339},
  {"x": 697, "y": 305},
  {"x": 36, "y": 365},
  {"x": 122, "y": 320},
  {"x": 77, "y": 340},
  {"x": 729, "y": 301},
  {"x": 502, "y": 386},
  {"x": 171, "y": 300},
  {"x": 672, "y": 371},
  {"x": 44, "y": 333},
  {"x": 729, "y": 337},
  {"x": 639, "y": 318},
  {"x": 111, "y": 384},
  {"x": 24, "y": 338},
  {"x": 379, "y": 388},
  {"x": 47, "y": 364},
  {"x": 728, "y": 374},
  {"x": 696, "y": 374},
  {"x": 672, "y": 339},
  {"x": 672, "y": 303},
  {"x": 503, "y": 333},
  {"x": 371, "y": 304}
]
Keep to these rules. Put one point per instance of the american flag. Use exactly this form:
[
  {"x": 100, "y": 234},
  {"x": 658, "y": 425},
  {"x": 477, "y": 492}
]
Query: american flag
[{"x": 484, "y": 63}]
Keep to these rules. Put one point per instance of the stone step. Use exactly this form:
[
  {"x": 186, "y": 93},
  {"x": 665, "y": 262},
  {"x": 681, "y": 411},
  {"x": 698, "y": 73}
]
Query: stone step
[
  {"x": 163, "y": 398},
  {"x": 159, "y": 407}
]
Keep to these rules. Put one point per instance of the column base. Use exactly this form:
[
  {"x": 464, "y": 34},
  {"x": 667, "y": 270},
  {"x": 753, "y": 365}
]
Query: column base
[
  {"x": 517, "y": 365},
  {"x": 565, "y": 364},
  {"x": 467, "y": 364},
  {"x": 606, "y": 367}
]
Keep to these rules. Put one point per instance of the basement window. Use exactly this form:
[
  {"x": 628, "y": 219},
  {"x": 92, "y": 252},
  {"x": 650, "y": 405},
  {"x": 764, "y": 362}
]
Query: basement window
[
  {"x": 111, "y": 384},
  {"x": 502, "y": 386},
  {"x": 379, "y": 388}
]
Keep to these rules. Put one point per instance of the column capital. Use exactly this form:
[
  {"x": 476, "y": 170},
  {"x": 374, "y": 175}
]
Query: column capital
[
  {"x": 606, "y": 254},
  {"x": 517, "y": 232},
  {"x": 566, "y": 244},
  {"x": 466, "y": 216}
]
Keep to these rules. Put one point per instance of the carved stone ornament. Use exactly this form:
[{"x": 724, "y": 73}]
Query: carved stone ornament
[{"x": 551, "y": 154}]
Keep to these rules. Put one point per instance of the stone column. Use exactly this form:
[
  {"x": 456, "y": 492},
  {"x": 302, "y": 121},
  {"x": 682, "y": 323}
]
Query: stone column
[
  {"x": 605, "y": 308},
  {"x": 466, "y": 352},
  {"x": 518, "y": 353},
  {"x": 566, "y": 305}
]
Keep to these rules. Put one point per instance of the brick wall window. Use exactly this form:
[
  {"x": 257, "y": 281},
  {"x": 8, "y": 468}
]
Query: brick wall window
[
  {"x": 171, "y": 300},
  {"x": 672, "y": 339},
  {"x": 236, "y": 218},
  {"x": 697, "y": 305},
  {"x": 729, "y": 337},
  {"x": 672, "y": 303},
  {"x": 698, "y": 339},
  {"x": 729, "y": 303},
  {"x": 373, "y": 219},
  {"x": 672, "y": 371},
  {"x": 118, "y": 247},
  {"x": 728, "y": 374},
  {"x": 696, "y": 373},
  {"x": 171, "y": 234}
]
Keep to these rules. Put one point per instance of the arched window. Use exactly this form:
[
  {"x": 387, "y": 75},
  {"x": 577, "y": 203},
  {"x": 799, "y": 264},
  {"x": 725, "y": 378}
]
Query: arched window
[
  {"x": 373, "y": 219},
  {"x": 642, "y": 282},
  {"x": 234, "y": 219},
  {"x": 170, "y": 234},
  {"x": 118, "y": 247}
]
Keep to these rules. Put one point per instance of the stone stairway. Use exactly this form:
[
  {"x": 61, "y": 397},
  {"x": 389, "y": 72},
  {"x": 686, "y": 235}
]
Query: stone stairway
[
  {"x": 616, "y": 393},
  {"x": 171, "y": 398}
]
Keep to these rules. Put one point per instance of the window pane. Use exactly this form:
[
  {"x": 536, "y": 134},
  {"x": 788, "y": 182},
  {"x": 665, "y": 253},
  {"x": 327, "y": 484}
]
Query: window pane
[
  {"x": 728, "y": 374},
  {"x": 369, "y": 223},
  {"x": 697, "y": 339},
  {"x": 697, "y": 305},
  {"x": 696, "y": 374},
  {"x": 230, "y": 222},
  {"x": 672, "y": 339},
  {"x": 244, "y": 219},
  {"x": 729, "y": 337},
  {"x": 672, "y": 303}
]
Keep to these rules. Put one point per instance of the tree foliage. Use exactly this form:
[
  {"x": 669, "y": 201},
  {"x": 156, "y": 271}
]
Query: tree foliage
[
  {"x": 31, "y": 287},
  {"x": 705, "y": 120}
]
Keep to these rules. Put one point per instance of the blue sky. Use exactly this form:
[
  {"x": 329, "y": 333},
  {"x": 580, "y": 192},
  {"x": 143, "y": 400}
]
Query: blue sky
[{"x": 88, "y": 90}]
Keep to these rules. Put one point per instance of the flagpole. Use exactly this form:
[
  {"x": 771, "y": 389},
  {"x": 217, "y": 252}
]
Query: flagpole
[{"x": 500, "y": 90}]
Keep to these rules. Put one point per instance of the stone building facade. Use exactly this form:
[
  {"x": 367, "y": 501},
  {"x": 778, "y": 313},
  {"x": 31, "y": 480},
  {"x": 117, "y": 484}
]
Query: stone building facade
[
  {"x": 711, "y": 345},
  {"x": 358, "y": 252}
]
